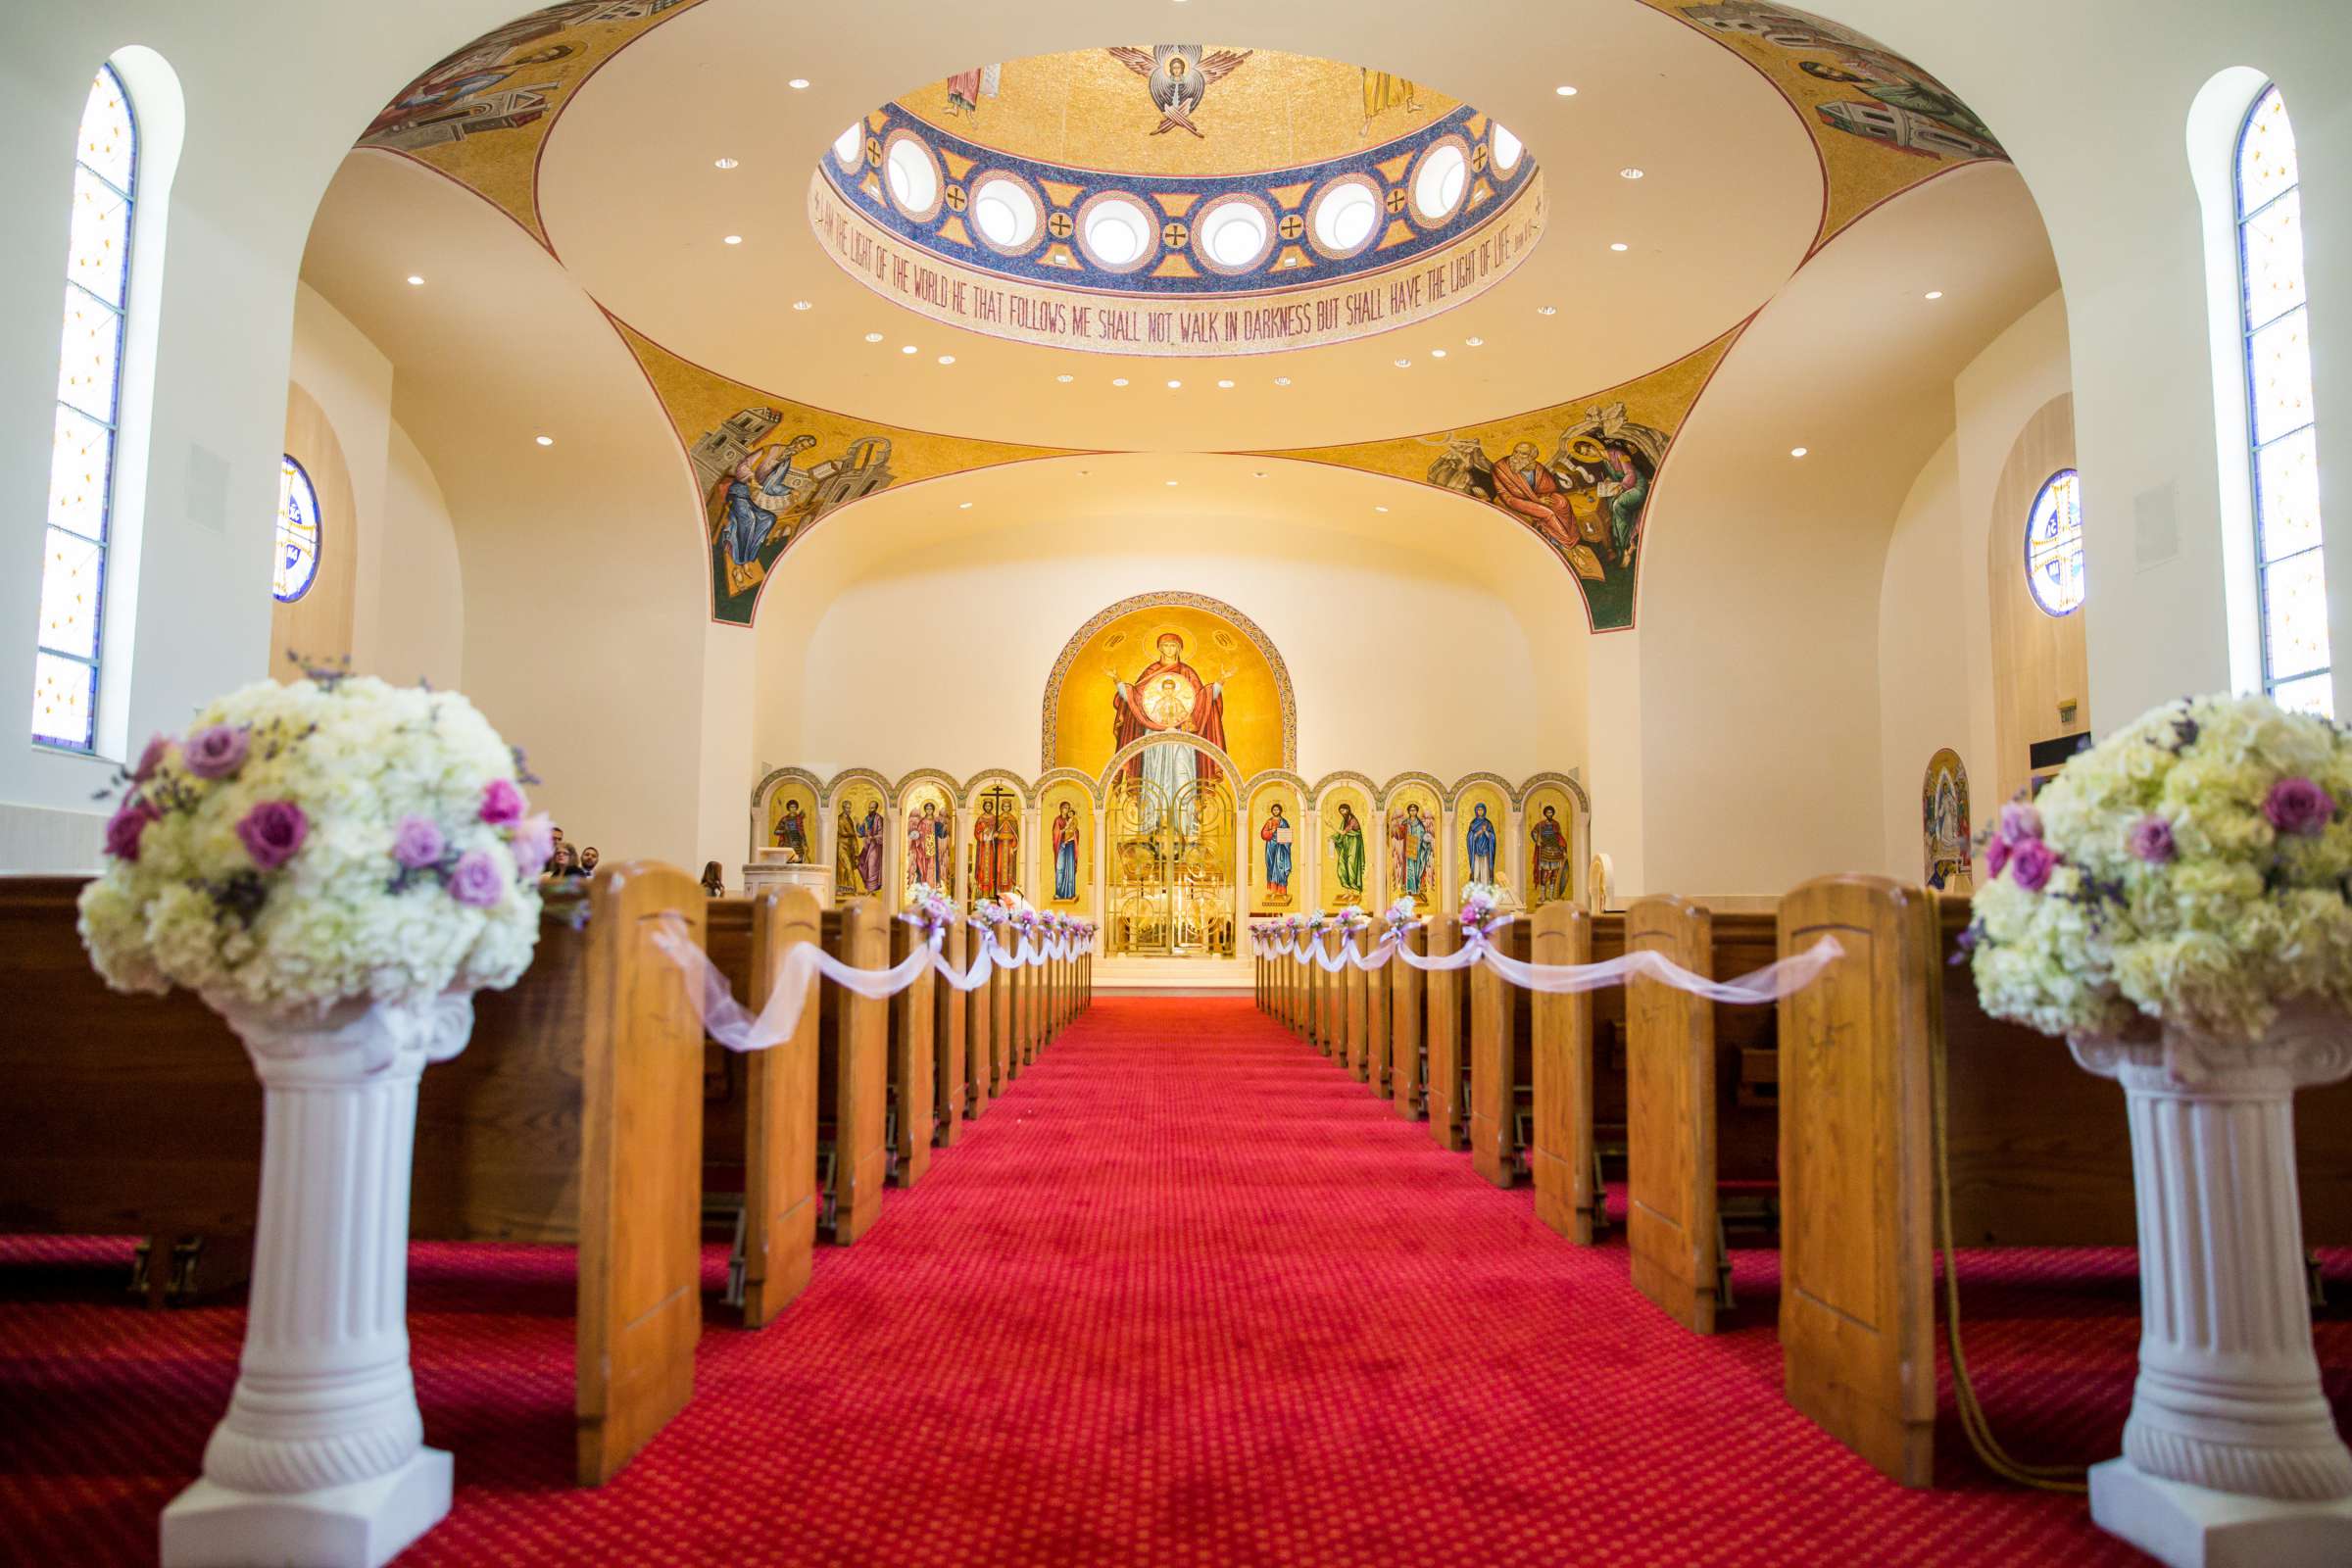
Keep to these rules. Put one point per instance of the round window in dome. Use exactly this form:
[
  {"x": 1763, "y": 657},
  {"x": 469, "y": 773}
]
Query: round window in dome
[
  {"x": 1234, "y": 233},
  {"x": 848, "y": 148},
  {"x": 1507, "y": 150},
  {"x": 1440, "y": 183},
  {"x": 1007, "y": 213},
  {"x": 1344, "y": 216},
  {"x": 1116, "y": 232},
  {"x": 912, "y": 176}
]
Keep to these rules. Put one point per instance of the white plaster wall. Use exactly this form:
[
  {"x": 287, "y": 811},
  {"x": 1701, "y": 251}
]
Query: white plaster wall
[
  {"x": 1924, "y": 688},
  {"x": 351, "y": 380},
  {"x": 417, "y": 597}
]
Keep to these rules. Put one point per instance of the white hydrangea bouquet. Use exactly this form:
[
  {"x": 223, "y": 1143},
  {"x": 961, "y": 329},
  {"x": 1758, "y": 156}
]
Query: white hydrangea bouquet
[
  {"x": 336, "y": 839},
  {"x": 2192, "y": 869}
]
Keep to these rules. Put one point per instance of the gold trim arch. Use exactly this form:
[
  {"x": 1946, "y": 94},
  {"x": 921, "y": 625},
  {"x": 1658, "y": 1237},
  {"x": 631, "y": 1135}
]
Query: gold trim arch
[
  {"x": 1172, "y": 868},
  {"x": 1050, "y": 712}
]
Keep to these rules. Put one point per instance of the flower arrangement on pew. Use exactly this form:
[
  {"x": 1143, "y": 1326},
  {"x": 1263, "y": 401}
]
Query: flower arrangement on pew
[
  {"x": 326, "y": 841},
  {"x": 990, "y": 914},
  {"x": 1349, "y": 920},
  {"x": 1400, "y": 916},
  {"x": 2177, "y": 902},
  {"x": 929, "y": 908},
  {"x": 334, "y": 865},
  {"x": 2192, "y": 869},
  {"x": 1479, "y": 903}
]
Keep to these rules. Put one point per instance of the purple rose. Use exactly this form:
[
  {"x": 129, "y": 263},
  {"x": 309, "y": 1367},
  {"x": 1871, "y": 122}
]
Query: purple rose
[
  {"x": 123, "y": 829},
  {"x": 2298, "y": 807},
  {"x": 216, "y": 751},
  {"x": 475, "y": 880},
  {"x": 2020, "y": 821},
  {"x": 2030, "y": 864},
  {"x": 1997, "y": 855},
  {"x": 273, "y": 832},
  {"x": 502, "y": 802},
  {"x": 419, "y": 842},
  {"x": 2152, "y": 840},
  {"x": 533, "y": 841},
  {"x": 151, "y": 759}
]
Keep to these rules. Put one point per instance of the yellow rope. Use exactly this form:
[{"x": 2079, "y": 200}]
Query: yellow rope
[{"x": 2041, "y": 1477}]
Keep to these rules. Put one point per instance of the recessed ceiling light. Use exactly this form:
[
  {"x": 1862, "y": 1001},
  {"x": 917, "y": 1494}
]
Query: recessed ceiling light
[
  {"x": 1173, "y": 385},
  {"x": 1564, "y": 90},
  {"x": 1437, "y": 353},
  {"x": 873, "y": 337},
  {"x": 907, "y": 348},
  {"x": 1616, "y": 244},
  {"x": 722, "y": 163},
  {"x": 802, "y": 305},
  {"x": 947, "y": 359},
  {"x": 1933, "y": 293},
  {"x": 1628, "y": 174},
  {"x": 545, "y": 440},
  {"x": 1281, "y": 381},
  {"x": 1259, "y": 475},
  {"x": 1380, "y": 509},
  {"x": 1404, "y": 365},
  {"x": 1227, "y": 385},
  {"x": 963, "y": 505},
  {"x": 1171, "y": 484},
  {"x": 1065, "y": 379},
  {"x": 415, "y": 282},
  {"x": 1797, "y": 452},
  {"x": 1473, "y": 342},
  {"x": 734, "y": 239},
  {"x": 1118, "y": 380},
  {"x": 797, "y": 83},
  {"x": 1547, "y": 310}
]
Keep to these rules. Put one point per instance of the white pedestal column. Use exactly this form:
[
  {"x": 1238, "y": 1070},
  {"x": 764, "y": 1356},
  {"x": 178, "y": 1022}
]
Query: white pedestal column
[
  {"x": 320, "y": 1460},
  {"x": 2230, "y": 1455}
]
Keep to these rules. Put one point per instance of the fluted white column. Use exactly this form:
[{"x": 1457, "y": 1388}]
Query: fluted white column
[
  {"x": 2231, "y": 1453},
  {"x": 321, "y": 1458}
]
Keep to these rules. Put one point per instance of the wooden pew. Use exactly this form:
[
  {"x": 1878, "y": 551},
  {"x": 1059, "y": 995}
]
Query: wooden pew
[
  {"x": 852, "y": 1072},
  {"x": 1004, "y": 1039},
  {"x": 2039, "y": 1155},
  {"x": 1354, "y": 1052},
  {"x": 1446, "y": 1027},
  {"x": 768, "y": 1145},
  {"x": 1578, "y": 1073},
  {"x": 1686, "y": 1130},
  {"x": 1409, "y": 1041},
  {"x": 1331, "y": 999},
  {"x": 1372, "y": 1040},
  {"x": 573, "y": 1116},
  {"x": 979, "y": 1030},
  {"x": 912, "y": 1059},
  {"x": 947, "y": 1045},
  {"x": 1502, "y": 1059}
]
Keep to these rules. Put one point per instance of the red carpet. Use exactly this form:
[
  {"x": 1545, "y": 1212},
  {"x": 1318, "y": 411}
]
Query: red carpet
[{"x": 1133, "y": 1317}]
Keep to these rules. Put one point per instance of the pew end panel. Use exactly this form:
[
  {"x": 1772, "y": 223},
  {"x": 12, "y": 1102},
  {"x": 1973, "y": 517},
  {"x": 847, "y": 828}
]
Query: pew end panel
[
  {"x": 640, "y": 1269},
  {"x": 1408, "y": 1038},
  {"x": 910, "y": 1061},
  {"x": 1568, "y": 1197},
  {"x": 948, "y": 1044},
  {"x": 1500, "y": 1060},
  {"x": 1857, "y": 1316},
  {"x": 1670, "y": 1117},
  {"x": 780, "y": 1187},
  {"x": 979, "y": 1035},
  {"x": 1445, "y": 1024},
  {"x": 853, "y": 1072}
]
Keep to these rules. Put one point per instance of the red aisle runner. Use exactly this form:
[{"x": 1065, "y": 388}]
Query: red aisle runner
[{"x": 1185, "y": 1295}]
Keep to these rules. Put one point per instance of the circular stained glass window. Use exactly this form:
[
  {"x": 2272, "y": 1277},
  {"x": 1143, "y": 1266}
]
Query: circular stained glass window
[
  {"x": 297, "y": 566},
  {"x": 2054, "y": 544}
]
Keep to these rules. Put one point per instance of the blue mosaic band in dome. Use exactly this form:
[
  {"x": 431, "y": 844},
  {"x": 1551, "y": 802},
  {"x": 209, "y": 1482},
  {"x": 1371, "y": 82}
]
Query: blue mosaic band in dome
[{"x": 1290, "y": 257}]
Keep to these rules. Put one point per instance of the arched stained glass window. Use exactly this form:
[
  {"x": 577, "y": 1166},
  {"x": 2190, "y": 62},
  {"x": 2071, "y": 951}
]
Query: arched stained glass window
[
  {"x": 2054, "y": 544},
  {"x": 89, "y": 387},
  {"x": 2290, "y": 575},
  {"x": 296, "y": 533}
]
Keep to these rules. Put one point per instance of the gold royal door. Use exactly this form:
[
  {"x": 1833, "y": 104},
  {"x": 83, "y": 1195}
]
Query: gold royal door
[{"x": 1171, "y": 870}]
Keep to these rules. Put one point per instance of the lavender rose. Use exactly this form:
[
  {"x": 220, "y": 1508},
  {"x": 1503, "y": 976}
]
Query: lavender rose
[
  {"x": 2152, "y": 840},
  {"x": 2298, "y": 807},
  {"x": 123, "y": 829},
  {"x": 2020, "y": 821},
  {"x": 476, "y": 881},
  {"x": 216, "y": 751},
  {"x": 502, "y": 802},
  {"x": 2030, "y": 864},
  {"x": 532, "y": 842},
  {"x": 1996, "y": 854},
  {"x": 419, "y": 842},
  {"x": 273, "y": 831}
]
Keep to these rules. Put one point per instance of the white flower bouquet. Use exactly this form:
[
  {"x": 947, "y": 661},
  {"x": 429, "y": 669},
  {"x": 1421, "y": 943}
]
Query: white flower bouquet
[
  {"x": 2193, "y": 868},
  {"x": 302, "y": 845},
  {"x": 929, "y": 908},
  {"x": 1479, "y": 901}
]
